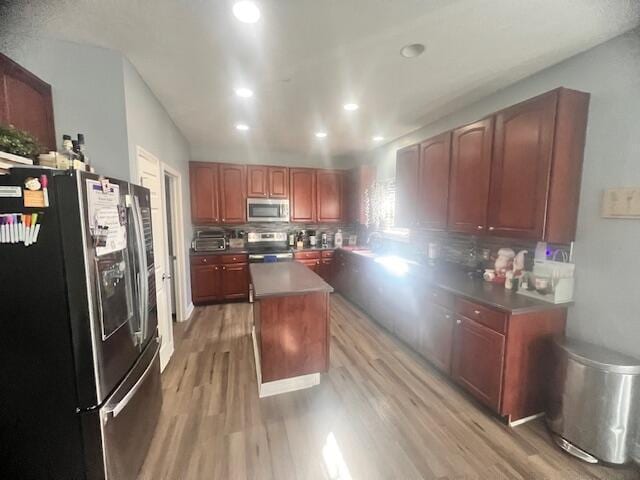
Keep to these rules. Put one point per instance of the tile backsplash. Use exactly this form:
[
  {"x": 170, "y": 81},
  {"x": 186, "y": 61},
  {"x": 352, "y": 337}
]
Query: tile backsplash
[{"x": 319, "y": 228}]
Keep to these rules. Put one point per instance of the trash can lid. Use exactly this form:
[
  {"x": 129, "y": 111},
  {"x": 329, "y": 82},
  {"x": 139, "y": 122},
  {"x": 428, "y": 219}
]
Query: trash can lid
[{"x": 599, "y": 357}]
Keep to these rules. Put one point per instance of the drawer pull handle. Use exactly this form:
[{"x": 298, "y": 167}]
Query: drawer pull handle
[
  {"x": 204, "y": 260},
  {"x": 480, "y": 227},
  {"x": 492, "y": 228},
  {"x": 477, "y": 312}
]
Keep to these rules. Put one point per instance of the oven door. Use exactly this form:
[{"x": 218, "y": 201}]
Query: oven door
[{"x": 266, "y": 210}]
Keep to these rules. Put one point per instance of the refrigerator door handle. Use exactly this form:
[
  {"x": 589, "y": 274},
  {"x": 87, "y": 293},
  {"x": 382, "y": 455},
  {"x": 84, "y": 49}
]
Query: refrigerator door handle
[
  {"x": 121, "y": 405},
  {"x": 143, "y": 279}
]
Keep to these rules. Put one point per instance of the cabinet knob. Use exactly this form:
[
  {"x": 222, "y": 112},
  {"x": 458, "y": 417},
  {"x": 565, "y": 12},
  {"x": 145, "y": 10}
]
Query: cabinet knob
[
  {"x": 216, "y": 268},
  {"x": 477, "y": 312},
  {"x": 492, "y": 228},
  {"x": 458, "y": 321},
  {"x": 204, "y": 260},
  {"x": 480, "y": 227},
  {"x": 224, "y": 268},
  {"x": 223, "y": 219},
  {"x": 318, "y": 262}
]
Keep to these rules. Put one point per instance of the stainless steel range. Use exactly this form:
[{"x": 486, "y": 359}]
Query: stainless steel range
[{"x": 268, "y": 247}]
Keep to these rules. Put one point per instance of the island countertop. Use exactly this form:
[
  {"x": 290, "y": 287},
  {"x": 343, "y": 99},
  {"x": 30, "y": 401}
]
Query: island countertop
[{"x": 285, "y": 278}]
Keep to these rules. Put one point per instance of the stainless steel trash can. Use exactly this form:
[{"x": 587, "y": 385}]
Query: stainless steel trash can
[{"x": 594, "y": 402}]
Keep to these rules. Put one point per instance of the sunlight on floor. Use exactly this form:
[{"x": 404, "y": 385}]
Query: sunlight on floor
[{"x": 333, "y": 459}]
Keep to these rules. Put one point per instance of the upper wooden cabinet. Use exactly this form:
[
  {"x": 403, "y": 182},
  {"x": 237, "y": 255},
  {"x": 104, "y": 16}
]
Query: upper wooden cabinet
[
  {"x": 330, "y": 192},
  {"x": 267, "y": 182},
  {"x": 233, "y": 197},
  {"x": 204, "y": 187},
  {"x": 278, "y": 182},
  {"x": 537, "y": 164},
  {"x": 433, "y": 182},
  {"x": 302, "y": 193},
  {"x": 516, "y": 173},
  {"x": 470, "y": 174},
  {"x": 26, "y": 103},
  {"x": 257, "y": 181},
  {"x": 358, "y": 182},
  {"x": 407, "y": 169}
]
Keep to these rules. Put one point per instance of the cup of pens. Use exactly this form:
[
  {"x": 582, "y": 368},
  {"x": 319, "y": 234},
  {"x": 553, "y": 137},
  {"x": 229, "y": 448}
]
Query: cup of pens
[{"x": 20, "y": 228}]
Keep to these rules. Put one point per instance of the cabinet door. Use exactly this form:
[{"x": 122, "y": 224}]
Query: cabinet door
[
  {"x": 469, "y": 179},
  {"x": 257, "y": 186},
  {"x": 278, "y": 182},
  {"x": 433, "y": 191},
  {"x": 521, "y": 168},
  {"x": 325, "y": 270},
  {"x": 205, "y": 283},
  {"x": 478, "y": 361},
  {"x": 26, "y": 103},
  {"x": 233, "y": 198},
  {"x": 235, "y": 281},
  {"x": 302, "y": 183},
  {"x": 435, "y": 336},
  {"x": 329, "y": 195},
  {"x": 204, "y": 187},
  {"x": 407, "y": 168}
]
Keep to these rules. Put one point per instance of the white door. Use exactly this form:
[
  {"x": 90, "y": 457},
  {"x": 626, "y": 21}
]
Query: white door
[{"x": 150, "y": 176}]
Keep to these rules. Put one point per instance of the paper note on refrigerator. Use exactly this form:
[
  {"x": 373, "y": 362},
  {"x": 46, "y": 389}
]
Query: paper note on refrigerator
[{"x": 104, "y": 217}]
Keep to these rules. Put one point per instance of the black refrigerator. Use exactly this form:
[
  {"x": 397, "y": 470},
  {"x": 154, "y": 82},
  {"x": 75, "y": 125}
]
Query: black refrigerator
[{"x": 79, "y": 350}]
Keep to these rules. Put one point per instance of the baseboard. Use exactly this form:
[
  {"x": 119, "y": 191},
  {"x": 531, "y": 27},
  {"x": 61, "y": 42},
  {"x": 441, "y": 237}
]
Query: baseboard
[
  {"x": 525, "y": 419},
  {"x": 188, "y": 312}
]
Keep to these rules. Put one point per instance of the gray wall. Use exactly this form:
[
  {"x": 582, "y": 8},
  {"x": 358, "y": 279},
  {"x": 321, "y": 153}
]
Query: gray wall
[
  {"x": 88, "y": 95},
  {"x": 607, "y": 300},
  {"x": 98, "y": 92},
  {"x": 150, "y": 127}
]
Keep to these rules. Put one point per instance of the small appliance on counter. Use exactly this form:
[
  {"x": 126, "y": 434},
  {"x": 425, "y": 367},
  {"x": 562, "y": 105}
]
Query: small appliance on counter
[
  {"x": 337, "y": 239},
  {"x": 209, "y": 241},
  {"x": 237, "y": 239},
  {"x": 550, "y": 281},
  {"x": 312, "y": 238},
  {"x": 324, "y": 242}
]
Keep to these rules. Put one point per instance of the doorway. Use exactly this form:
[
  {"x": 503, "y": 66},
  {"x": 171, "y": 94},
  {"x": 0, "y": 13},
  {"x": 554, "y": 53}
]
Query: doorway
[{"x": 151, "y": 175}]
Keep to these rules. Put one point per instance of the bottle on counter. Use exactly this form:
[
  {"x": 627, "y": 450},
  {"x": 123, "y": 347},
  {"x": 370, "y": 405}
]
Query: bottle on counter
[
  {"x": 325, "y": 242},
  {"x": 337, "y": 239},
  {"x": 300, "y": 241},
  {"x": 292, "y": 239}
]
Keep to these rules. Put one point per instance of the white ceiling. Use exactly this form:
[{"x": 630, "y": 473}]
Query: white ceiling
[{"x": 305, "y": 58}]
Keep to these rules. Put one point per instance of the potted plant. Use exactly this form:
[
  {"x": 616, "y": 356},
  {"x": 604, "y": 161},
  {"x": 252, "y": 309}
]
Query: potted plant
[{"x": 18, "y": 143}]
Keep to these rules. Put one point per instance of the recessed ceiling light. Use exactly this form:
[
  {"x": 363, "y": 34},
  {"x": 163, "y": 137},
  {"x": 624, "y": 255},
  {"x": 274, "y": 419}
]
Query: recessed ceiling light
[
  {"x": 413, "y": 50},
  {"x": 350, "y": 107},
  {"x": 242, "y": 127},
  {"x": 244, "y": 92},
  {"x": 321, "y": 134},
  {"x": 246, "y": 12},
  {"x": 378, "y": 138}
]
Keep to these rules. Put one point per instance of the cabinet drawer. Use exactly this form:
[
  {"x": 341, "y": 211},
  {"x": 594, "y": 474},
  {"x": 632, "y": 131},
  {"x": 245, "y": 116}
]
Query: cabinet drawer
[
  {"x": 205, "y": 259},
  {"x": 312, "y": 255},
  {"x": 327, "y": 253},
  {"x": 441, "y": 297},
  {"x": 237, "y": 258},
  {"x": 491, "y": 318}
]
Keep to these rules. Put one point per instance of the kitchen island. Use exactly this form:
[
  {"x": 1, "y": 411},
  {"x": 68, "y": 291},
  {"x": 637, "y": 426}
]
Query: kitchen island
[{"x": 291, "y": 326}]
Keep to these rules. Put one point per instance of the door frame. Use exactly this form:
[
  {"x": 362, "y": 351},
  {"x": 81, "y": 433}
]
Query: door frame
[
  {"x": 183, "y": 308},
  {"x": 167, "y": 347}
]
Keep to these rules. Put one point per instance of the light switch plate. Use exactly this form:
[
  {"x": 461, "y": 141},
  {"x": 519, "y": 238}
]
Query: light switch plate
[{"x": 621, "y": 203}]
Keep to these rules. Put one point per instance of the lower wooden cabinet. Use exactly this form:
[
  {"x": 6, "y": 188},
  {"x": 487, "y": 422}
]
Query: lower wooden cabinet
[
  {"x": 478, "y": 360},
  {"x": 215, "y": 279},
  {"x": 325, "y": 270},
  {"x": 499, "y": 357},
  {"x": 205, "y": 283},
  {"x": 235, "y": 281},
  {"x": 311, "y": 264}
]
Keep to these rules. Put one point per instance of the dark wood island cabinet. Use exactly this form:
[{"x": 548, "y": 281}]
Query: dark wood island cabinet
[{"x": 291, "y": 331}]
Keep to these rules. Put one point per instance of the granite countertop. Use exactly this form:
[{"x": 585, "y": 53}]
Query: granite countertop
[
  {"x": 457, "y": 281},
  {"x": 284, "y": 279}
]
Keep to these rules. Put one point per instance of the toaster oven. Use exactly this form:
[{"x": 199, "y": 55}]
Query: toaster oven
[{"x": 209, "y": 241}]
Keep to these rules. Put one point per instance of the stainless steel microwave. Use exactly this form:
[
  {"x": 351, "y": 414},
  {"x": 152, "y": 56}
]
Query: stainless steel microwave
[{"x": 267, "y": 210}]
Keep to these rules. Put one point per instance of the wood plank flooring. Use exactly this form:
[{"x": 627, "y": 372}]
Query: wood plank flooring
[{"x": 380, "y": 413}]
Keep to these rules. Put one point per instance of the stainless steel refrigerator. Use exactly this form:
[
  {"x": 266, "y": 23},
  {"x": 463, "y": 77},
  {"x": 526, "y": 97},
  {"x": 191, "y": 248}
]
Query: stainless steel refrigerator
[{"x": 79, "y": 350}]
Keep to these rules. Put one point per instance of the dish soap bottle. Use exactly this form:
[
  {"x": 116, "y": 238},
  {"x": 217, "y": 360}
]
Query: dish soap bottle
[{"x": 337, "y": 239}]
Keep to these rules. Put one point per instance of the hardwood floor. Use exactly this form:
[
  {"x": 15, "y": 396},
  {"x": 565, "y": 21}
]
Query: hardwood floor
[{"x": 380, "y": 413}]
